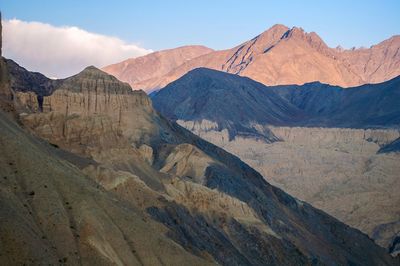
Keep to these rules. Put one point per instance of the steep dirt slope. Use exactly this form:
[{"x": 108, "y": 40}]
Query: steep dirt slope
[{"x": 52, "y": 213}]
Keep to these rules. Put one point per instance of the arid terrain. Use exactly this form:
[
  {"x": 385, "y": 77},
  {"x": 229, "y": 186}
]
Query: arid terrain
[
  {"x": 337, "y": 170},
  {"x": 213, "y": 167}
]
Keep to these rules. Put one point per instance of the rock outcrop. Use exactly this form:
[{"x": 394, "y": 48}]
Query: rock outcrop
[
  {"x": 281, "y": 56},
  {"x": 92, "y": 110}
]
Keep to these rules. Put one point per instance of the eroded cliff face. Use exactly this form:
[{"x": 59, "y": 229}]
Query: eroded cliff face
[
  {"x": 92, "y": 111},
  {"x": 338, "y": 170},
  {"x": 355, "y": 139}
]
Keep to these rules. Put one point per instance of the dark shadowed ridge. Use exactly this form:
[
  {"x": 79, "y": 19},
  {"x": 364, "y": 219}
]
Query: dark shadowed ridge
[
  {"x": 394, "y": 146},
  {"x": 235, "y": 102},
  {"x": 232, "y": 101},
  {"x": 23, "y": 80},
  {"x": 366, "y": 106}
]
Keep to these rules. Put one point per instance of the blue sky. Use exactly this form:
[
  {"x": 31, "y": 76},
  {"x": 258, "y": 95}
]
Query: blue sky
[{"x": 218, "y": 24}]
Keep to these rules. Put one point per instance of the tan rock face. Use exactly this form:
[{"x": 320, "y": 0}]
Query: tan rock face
[
  {"x": 89, "y": 111},
  {"x": 147, "y": 153},
  {"x": 28, "y": 101},
  {"x": 281, "y": 56},
  {"x": 187, "y": 160},
  {"x": 211, "y": 202},
  {"x": 142, "y": 71}
]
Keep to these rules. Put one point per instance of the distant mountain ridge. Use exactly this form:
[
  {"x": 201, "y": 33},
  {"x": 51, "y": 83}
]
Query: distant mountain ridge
[
  {"x": 238, "y": 104},
  {"x": 365, "y": 106},
  {"x": 141, "y": 72},
  {"x": 281, "y": 56},
  {"x": 231, "y": 101}
]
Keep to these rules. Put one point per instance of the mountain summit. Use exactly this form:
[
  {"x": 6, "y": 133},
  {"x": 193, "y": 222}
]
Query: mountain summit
[{"x": 281, "y": 56}]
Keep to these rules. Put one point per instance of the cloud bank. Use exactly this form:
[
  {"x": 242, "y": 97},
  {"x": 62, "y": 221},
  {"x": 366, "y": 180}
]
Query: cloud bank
[{"x": 62, "y": 51}]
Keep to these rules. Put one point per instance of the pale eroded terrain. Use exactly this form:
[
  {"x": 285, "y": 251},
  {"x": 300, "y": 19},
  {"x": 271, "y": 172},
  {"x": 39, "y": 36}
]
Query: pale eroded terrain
[{"x": 336, "y": 170}]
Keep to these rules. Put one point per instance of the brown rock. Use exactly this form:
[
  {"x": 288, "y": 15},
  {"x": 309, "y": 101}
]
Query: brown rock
[{"x": 147, "y": 153}]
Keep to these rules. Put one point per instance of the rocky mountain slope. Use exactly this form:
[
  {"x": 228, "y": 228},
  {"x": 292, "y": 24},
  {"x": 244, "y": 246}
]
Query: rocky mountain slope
[
  {"x": 142, "y": 72},
  {"x": 281, "y": 56},
  {"x": 231, "y": 102},
  {"x": 96, "y": 175},
  {"x": 350, "y": 173},
  {"x": 366, "y": 106}
]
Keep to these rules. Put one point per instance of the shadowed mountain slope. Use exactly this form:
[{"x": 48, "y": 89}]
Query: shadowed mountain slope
[
  {"x": 245, "y": 107},
  {"x": 393, "y": 146},
  {"x": 366, "y": 106},
  {"x": 233, "y": 102}
]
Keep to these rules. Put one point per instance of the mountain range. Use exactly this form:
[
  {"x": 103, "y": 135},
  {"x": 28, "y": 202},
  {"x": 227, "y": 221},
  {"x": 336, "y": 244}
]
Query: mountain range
[
  {"x": 238, "y": 103},
  {"x": 278, "y": 56}
]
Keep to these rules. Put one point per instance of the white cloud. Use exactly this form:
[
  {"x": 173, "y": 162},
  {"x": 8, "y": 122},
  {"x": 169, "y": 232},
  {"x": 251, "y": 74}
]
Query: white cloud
[{"x": 62, "y": 51}]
